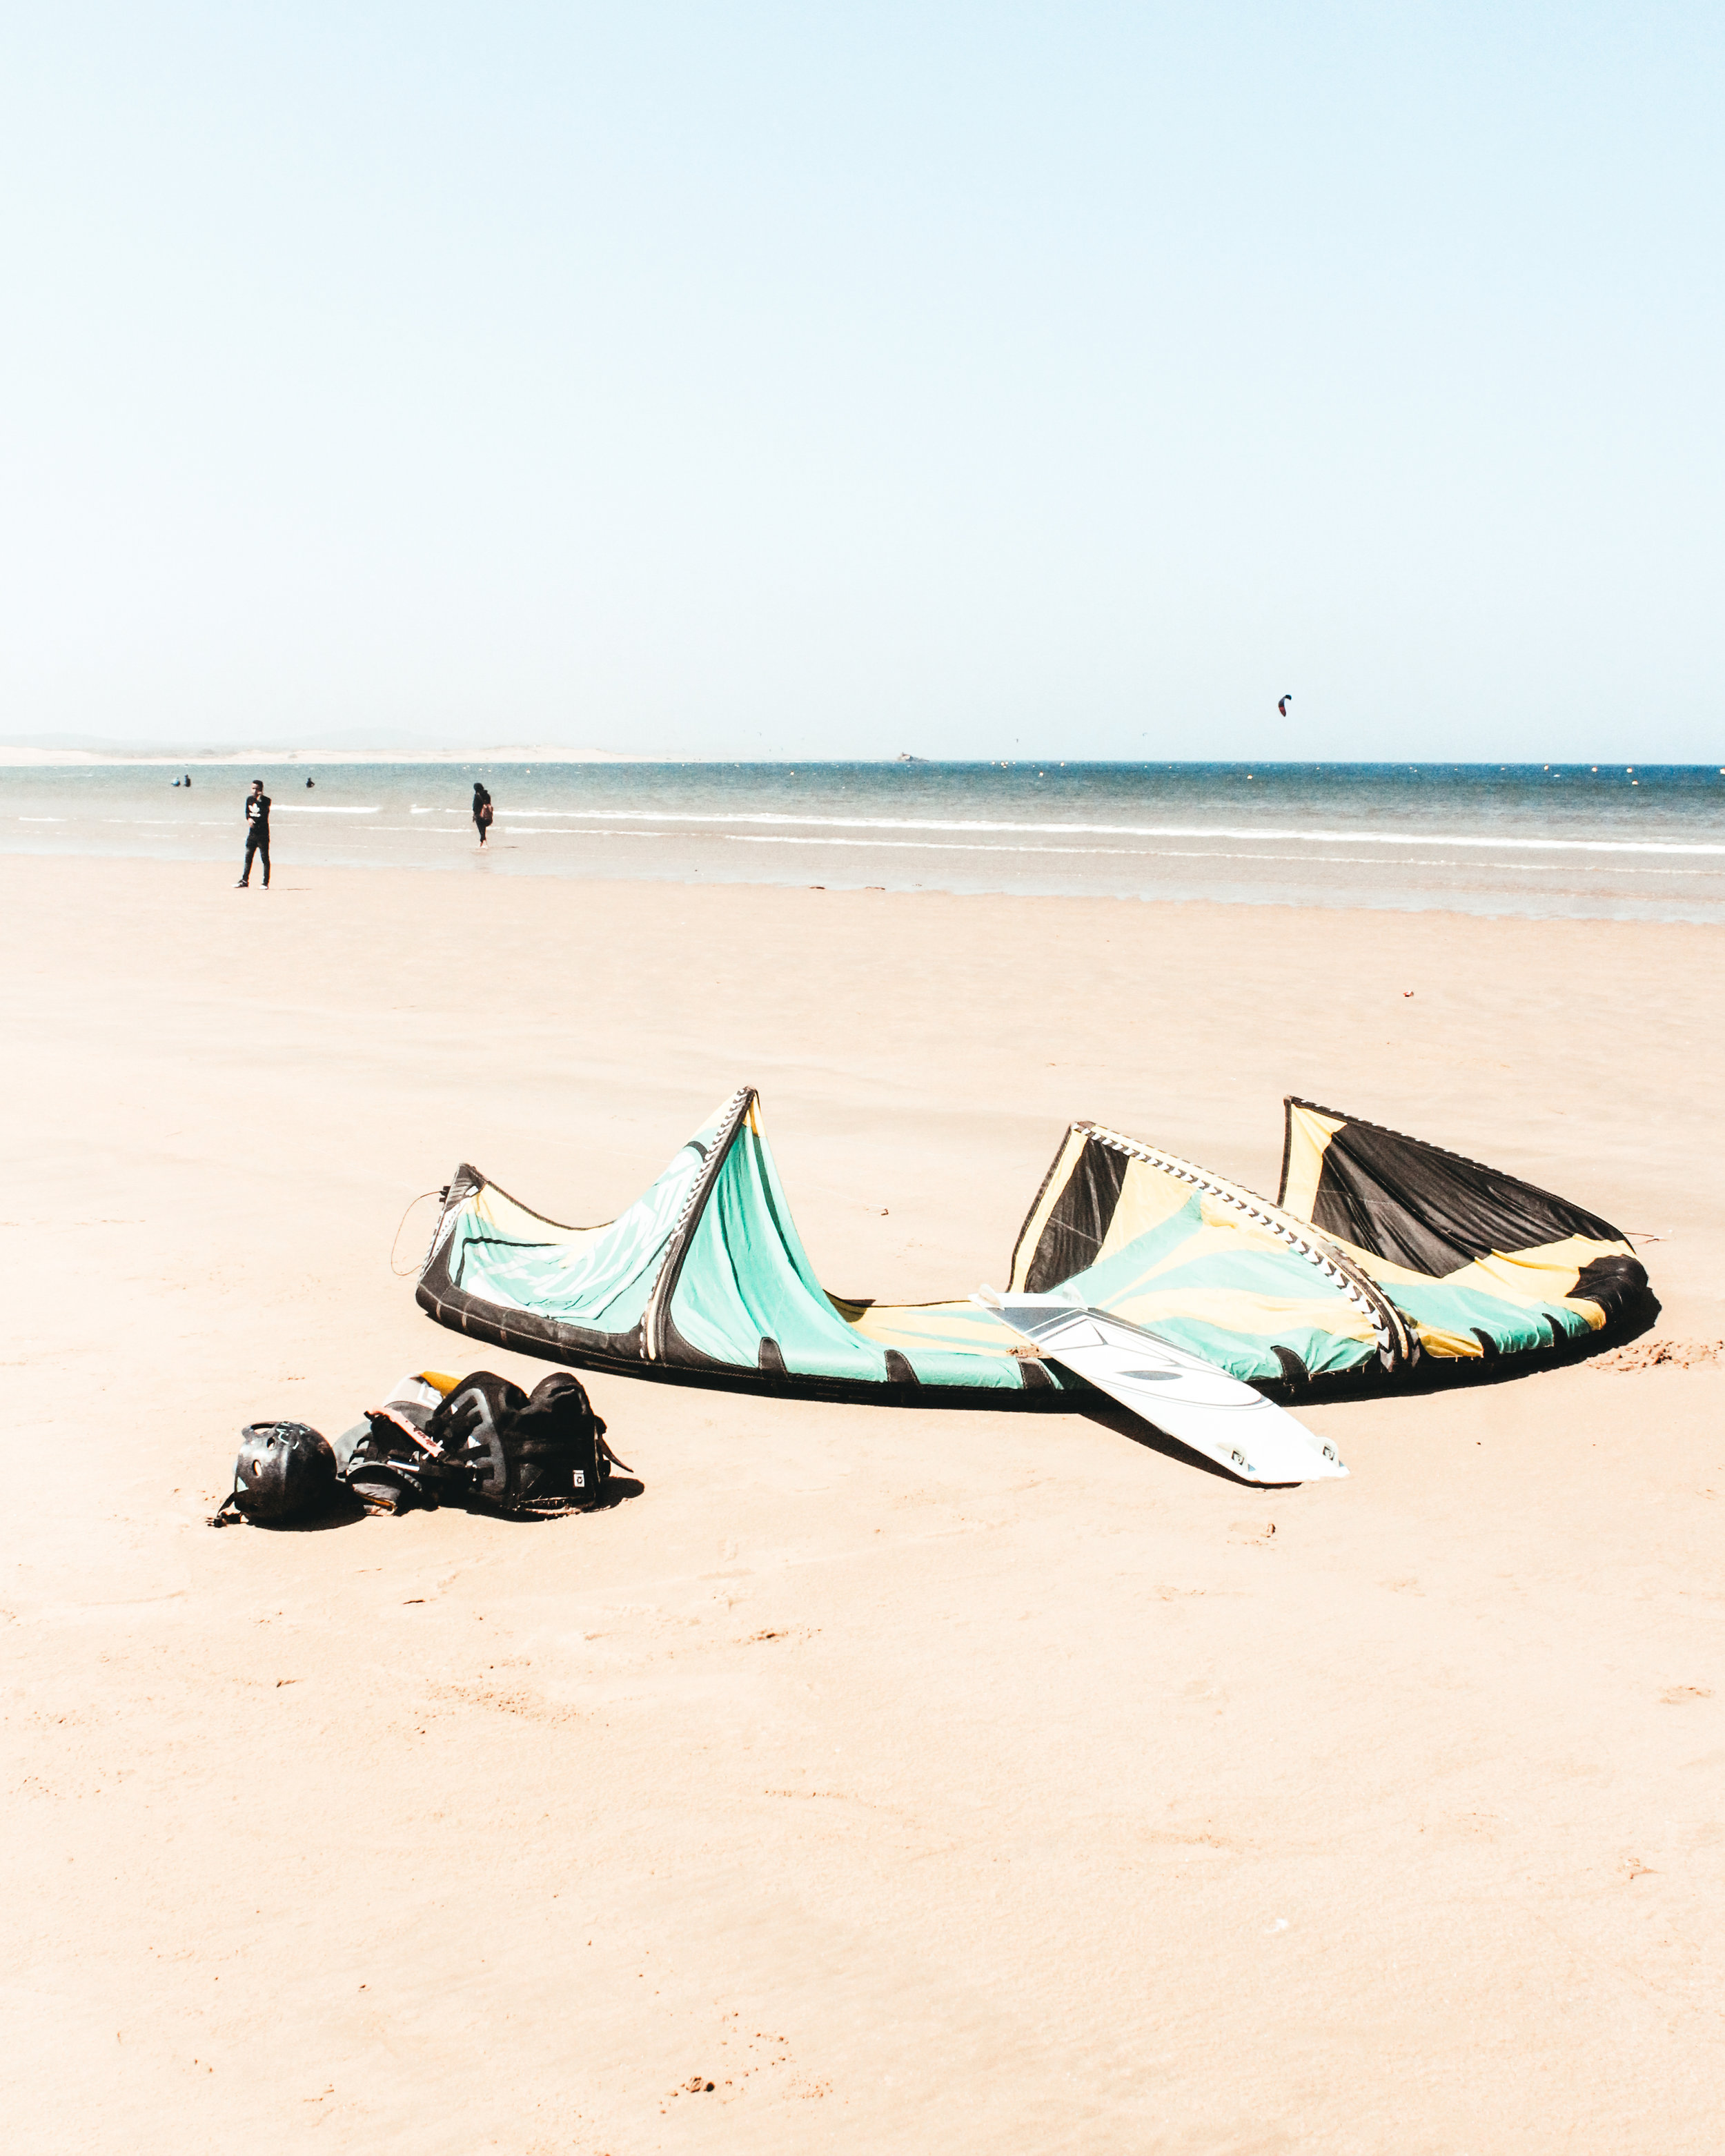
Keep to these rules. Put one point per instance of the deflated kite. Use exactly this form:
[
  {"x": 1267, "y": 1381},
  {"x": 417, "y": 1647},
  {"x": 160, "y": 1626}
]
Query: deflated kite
[{"x": 1380, "y": 1251}]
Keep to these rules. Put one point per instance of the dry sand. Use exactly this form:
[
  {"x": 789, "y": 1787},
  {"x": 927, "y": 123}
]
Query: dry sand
[{"x": 922, "y": 1781}]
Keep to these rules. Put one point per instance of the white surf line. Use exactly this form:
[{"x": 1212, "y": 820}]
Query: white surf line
[
  {"x": 322, "y": 808},
  {"x": 1174, "y": 854},
  {"x": 1366, "y": 836}
]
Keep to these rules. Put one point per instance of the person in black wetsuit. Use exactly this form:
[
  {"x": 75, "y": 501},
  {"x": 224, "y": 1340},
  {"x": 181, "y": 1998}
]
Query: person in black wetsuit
[
  {"x": 257, "y": 833},
  {"x": 482, "y": 810}
]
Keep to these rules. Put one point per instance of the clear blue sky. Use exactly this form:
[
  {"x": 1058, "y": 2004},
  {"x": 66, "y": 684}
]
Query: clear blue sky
[{"x": 832, "y": 380}]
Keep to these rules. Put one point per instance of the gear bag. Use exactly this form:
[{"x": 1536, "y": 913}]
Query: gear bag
[{"x": 487, "y": 1446}]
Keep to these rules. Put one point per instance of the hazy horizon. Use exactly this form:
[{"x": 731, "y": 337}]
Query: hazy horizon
[
  {"x": 974, "y": 383},
  {"x": 403, "y": 749}
]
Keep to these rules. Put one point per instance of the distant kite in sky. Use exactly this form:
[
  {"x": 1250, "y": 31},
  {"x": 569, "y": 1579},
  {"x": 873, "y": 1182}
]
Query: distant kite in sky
[{"x": 1283, "y": 703}]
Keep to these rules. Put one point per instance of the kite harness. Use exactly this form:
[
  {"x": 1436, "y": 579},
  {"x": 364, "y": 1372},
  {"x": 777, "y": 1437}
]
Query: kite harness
[{"x": 482, "y": 1443}]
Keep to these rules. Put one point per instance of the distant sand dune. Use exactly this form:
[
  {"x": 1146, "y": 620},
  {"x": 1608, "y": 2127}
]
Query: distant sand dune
[{"x": 18, "y": 753}]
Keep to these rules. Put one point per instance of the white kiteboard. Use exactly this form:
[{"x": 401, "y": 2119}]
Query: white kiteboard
[{"x": 1181, "y": 1394}]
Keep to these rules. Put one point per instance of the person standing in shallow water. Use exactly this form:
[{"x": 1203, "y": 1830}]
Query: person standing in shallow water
[
  {"x": 482, "y": 810},
  {"x": 257, "y": 833}
]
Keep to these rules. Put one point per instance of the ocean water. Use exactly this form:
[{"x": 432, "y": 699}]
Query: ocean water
[{"x": 1618, "y": 842}]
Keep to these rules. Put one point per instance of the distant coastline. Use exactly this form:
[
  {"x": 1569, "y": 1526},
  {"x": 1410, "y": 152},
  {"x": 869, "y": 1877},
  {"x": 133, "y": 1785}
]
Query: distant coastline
[{"x": 21, "y": 755}]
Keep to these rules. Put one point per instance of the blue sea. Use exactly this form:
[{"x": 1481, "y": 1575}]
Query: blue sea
[{"x": 1611, "y": 841}]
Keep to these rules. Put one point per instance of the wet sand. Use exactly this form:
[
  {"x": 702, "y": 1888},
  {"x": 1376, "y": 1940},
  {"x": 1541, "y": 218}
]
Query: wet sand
[{"x": 918, "y": 1779}]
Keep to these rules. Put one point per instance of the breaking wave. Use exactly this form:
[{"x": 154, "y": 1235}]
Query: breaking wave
[{"x": 1264, "y": 833}]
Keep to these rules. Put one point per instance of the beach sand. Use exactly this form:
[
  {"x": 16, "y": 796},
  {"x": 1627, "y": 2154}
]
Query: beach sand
[{"x": 920, "y": 1780}]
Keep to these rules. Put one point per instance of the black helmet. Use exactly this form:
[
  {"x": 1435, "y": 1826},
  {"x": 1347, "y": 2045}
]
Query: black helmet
[{"x": 284, "y": 1471}]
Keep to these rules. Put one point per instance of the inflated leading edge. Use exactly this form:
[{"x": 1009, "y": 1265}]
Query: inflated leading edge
[{"x": 1381, "y": 1249}]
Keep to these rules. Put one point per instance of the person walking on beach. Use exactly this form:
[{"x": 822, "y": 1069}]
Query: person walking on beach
[
  {"x": 257, "y": 833},
  {"x": 482, "y": 810}
]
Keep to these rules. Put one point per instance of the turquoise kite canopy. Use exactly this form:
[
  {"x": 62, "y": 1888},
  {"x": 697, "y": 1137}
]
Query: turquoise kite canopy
[
  {"x": 1382, "y": 1249},
  {"x": 703, "y": 1279}
]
